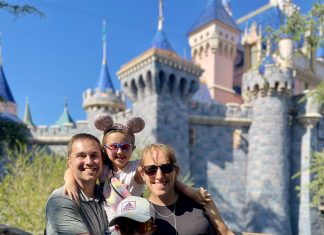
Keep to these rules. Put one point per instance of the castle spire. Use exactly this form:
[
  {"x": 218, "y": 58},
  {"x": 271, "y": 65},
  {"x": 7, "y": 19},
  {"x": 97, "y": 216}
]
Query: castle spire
[
  {"x": 160, "y": 40},
  {"x": 27, "y": 114},
  {"x": 161, "y": 18},
  {"x": 104, "y": 81},
  {"x": 104, "y": 45}
]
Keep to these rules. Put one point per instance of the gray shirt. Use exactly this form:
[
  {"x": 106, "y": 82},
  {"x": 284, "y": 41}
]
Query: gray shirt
[{"x": 64, "y": 216}]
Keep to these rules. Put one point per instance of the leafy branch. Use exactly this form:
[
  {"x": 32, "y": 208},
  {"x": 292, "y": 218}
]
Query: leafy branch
[{"x": 20, "y": 9}]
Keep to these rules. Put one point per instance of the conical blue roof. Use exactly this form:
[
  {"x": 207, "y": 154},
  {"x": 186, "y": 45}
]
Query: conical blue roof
[
  {"x": 320, "y": 50},
  {"x": 214, "y": 10},
  {"x": 105, "y": 81},
  {"x": 268, "y": 60},
  {"x": 161, "y": 41},
  {"x": 65, "y": 117},
  {"x": 5, "y": 93},
  {"x": 271, "y": 17}
]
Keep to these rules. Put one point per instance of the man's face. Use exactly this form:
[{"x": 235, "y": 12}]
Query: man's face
[{"x": 85, "y": 161}]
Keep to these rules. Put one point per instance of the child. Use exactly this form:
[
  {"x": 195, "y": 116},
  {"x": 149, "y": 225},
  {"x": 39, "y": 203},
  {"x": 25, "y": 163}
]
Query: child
[{"x": 122, "y": 178}]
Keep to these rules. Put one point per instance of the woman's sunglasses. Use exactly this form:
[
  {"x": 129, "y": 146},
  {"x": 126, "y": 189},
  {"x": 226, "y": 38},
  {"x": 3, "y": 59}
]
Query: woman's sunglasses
[
  {"x": 124, "y": 147},
  {"x": 152, "y": 169},
  {"x": 130, "y": 226}
]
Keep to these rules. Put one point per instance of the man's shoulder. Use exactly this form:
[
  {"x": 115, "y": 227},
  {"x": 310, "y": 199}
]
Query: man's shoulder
[
  {"x": 58, "y": 193},
  {"x": 58, "y": 196}
]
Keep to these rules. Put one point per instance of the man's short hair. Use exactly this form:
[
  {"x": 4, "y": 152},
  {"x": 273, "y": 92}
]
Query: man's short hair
[{"x": 81, "y": 136}]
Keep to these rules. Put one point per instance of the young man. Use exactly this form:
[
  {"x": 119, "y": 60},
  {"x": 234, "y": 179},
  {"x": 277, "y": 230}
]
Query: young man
[
  {"x": 134, "y": 216},
  {"x": 63, "y": 215}
]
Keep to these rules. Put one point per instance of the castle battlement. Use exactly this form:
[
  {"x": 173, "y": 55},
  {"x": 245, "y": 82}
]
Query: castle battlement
[
  {"x": 123, "y": 116},
  {"x": 218, "y": 114},
  {"x": 67, "y": 130},
  {"x": 275, "y": 80}
]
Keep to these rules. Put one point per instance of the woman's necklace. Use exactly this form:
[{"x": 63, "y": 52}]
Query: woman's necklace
[{"x": 166, "y": 216}]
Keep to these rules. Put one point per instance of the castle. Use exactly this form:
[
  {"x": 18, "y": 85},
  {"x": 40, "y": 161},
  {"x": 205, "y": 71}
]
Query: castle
[{"x": 233, "y": 116}]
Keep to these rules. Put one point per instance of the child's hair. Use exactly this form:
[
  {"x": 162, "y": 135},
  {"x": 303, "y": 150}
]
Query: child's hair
[{"x": 105, "y": 123}]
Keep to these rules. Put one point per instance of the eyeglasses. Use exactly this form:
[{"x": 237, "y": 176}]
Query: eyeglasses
[
  {"x": 128, "y": 226},
  {"x": 124, "y": 147},
  {"x": 165, "y": 168}
]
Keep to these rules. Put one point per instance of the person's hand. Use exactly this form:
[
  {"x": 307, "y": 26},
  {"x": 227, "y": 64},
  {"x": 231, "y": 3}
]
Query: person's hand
[
  {"x": 199, "y": 195},
  {"x": 205, "y": 196}
]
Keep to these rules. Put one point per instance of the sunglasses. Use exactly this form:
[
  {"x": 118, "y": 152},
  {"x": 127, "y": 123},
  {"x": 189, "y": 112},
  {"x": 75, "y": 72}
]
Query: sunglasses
[
  {"x": 124, "y": 147},
  {"x": 129, "y": 226},
  {"x": 152, "y": 169}
]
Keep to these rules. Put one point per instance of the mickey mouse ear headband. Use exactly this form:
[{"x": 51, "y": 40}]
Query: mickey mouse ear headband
[{"x": 105, "y": 123}]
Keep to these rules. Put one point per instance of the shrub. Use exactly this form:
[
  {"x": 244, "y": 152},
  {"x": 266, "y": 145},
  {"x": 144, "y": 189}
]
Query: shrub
[{"x": 30, "y": 176}]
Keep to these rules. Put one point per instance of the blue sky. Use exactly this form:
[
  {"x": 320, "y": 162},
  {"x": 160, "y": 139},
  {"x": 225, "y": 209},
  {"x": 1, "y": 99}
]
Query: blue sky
[{"x": 48, "y": 59}]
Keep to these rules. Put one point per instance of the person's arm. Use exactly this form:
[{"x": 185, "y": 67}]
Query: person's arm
[
  {"x": 196, "y": 194},
  {"x": 63, "y": 216},
  {"x": 71, "y": 186},
  {"x": 216, "y": 219}
]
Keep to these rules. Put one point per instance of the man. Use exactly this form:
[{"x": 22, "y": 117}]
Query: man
[
  {"x": 134, "y": 216},
  {"x": 63, "y": 215}
]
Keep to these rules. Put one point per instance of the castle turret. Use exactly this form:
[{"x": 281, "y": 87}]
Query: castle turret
[
  {"x": 267, "y": 194},
  {"x": 213, "y": 40},
  {"x": 65, "y": 119},
  {"x": 160, "y": 83},
  {"x": 7, "y": 101},
  {"x": 103, "y": 98}
]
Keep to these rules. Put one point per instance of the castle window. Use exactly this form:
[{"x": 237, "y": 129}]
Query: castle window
[
  {"x": 171, "y": 84},
  {"x": 134, "y": 88},
  {"x": 306, "y": 86},
  {"x": 149, "y": 80},
  {"x": 160, "y": 82},
  {"x": 192, "y": 137},
  {"x": 183, "y": 85}
]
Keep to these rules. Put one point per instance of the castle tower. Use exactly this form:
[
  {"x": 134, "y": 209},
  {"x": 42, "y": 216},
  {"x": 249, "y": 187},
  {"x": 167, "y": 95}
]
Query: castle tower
[
  {"x": 27, "y": 115},
  {"x": 268, "y": 177},
  {"x": 65, "y": 119},
  {"x": 104, "y": 98},
  {"x": 7, "y": 101},
  {"x": 160, "y": 83},
  {"x": 213, "y": 40}
]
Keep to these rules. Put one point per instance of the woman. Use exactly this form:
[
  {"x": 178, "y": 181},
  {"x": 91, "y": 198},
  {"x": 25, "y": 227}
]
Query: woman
[{"x": 175, "y": 213}]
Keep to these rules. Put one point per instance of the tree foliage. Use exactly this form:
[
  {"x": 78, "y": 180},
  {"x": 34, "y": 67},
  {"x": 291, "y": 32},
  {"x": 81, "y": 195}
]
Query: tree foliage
[
  {"x": 30, "y": 176},
  {"x": 19, "y": 9},
  {"x": 11, "y": 133},
  {"x": 317, "y": 184}
]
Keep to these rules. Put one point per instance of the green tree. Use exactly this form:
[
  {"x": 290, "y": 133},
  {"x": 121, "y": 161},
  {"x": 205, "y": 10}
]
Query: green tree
[
  {"x": 11, "y": 133},
  {"x": 31, "y": 175}
]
